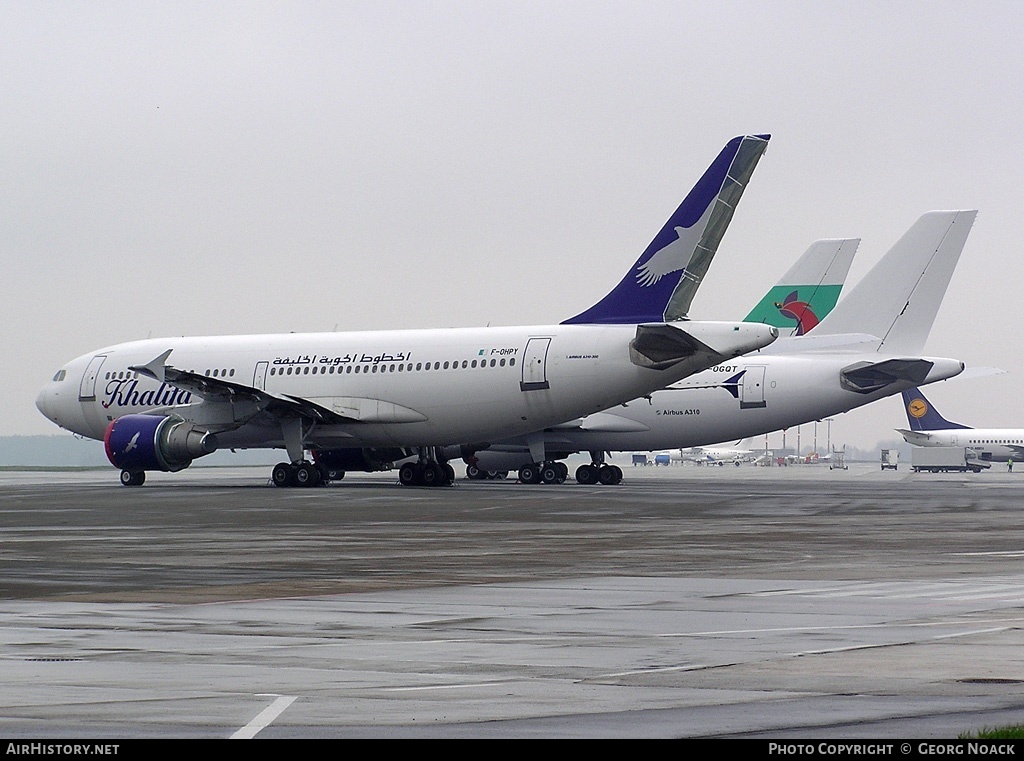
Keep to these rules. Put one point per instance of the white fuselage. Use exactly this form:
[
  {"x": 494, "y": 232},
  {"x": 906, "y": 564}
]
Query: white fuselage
[
  {"x": 776, "y": 392},
  {"x": 990, "y": 444},
  {"x": 388, "y": 388}
]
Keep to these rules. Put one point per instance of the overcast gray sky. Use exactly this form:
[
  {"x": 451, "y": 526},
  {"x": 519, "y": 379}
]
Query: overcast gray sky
[{"x": 172, "y": 168}]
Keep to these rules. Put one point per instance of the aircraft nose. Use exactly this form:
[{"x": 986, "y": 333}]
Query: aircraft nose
[{"x": 44, "y": 402}]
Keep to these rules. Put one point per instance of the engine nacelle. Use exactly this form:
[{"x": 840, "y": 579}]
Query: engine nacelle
[
  {"x": 148, "y": 442},
  {"x": 365, "y": 459}
]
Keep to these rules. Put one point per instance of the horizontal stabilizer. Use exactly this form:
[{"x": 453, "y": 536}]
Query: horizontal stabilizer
[
  {"x": 661, "y": 346},
  {"x": 866, "y": 377},
  {"x": 977, "y": 371},
  {"x": 859, "y": 342},
  {"x": 919, "y": 438}
]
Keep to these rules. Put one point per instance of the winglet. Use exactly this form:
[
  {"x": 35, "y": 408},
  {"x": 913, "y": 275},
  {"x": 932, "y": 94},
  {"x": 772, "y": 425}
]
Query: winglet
[
  {"x": 662, "y": 282},
  {"x": 155, "y": 368},
  {"x": 922, "y": 415}
]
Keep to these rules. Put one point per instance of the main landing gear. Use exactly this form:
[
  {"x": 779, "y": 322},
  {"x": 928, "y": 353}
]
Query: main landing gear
[
  {"x": 555, "y": 472},
  {"x": 609, "y": 475},
  {"x": 473, "y": 473},
  {"x": 544, "y": 472},
  {"x": 426, "y": 474},
  {"x": 297, "y": 474}
]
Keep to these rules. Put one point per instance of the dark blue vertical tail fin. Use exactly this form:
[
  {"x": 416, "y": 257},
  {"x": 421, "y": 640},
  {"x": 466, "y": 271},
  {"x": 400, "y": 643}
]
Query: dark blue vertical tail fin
[
  {"x": 922, "y": 415},
  {"x": 661, "y": 284}
]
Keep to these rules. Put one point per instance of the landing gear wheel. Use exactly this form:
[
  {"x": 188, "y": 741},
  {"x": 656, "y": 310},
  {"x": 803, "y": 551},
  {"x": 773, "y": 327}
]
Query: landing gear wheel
[
  {"x": 449, "y": 474},
  {"x": 133, "y": 477},
  {"x": 306, "y": 475},
  {"x": 283, "y": 475},
  {"x": 549, "y": 473},
  {"x": 433, "y": 474},
  {"x": 407, "y": 475},
  {"x": 563, "y": 472},
  {"x": 607, "y": 476},
  {"x": 473, "y": 473},
  {"x": 530, "y": 474},
  {"x": 586, "y": 474}
]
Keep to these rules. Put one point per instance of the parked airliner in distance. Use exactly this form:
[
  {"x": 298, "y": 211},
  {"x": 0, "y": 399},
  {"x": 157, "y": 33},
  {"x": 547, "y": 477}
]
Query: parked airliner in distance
[
  {"x": 364, "y": 399},
  {"x": 929, "y": 429},
  {"x": 866, "y": 349},
  {"x": 720, "y": 454}
]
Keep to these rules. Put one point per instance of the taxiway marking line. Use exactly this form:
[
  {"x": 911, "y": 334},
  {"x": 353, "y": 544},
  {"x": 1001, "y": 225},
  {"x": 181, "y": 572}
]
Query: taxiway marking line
[{"x": 264, "y": 718}]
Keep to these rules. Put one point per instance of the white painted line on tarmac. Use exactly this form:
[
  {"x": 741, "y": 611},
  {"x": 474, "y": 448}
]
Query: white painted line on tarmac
[
  {"x": 463, "y": 686},
  {"x": 264, "y": 718}
]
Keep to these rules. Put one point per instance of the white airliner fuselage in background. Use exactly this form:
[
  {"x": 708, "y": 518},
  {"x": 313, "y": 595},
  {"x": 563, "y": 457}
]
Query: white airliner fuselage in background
[{"x": 373, "y": 397}]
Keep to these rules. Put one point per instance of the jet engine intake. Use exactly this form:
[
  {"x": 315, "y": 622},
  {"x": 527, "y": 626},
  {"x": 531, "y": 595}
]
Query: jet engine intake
[{"x": 147, "y": 442}]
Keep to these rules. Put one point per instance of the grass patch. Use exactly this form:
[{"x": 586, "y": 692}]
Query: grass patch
[{"x": 1011, "y": 732}]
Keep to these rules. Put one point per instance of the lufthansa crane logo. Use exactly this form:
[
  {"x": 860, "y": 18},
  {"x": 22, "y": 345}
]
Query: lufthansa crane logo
[{"x": 917, "y": 408}]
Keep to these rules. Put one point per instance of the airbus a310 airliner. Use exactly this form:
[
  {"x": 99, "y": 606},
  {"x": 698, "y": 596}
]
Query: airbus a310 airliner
[{"x": 364, "y": 398}]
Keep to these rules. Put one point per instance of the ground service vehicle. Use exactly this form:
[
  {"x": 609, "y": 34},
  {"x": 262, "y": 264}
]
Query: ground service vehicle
[
  {"x": 946, "y": 460},
  {"x": 890, "y": 459}
]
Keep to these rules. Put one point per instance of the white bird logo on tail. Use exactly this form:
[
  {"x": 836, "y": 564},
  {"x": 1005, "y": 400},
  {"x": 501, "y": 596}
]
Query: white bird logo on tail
[{"x": 672, "y": 258}]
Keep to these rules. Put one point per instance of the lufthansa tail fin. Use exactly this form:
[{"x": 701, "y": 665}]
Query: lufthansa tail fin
[
  {"x": 809, "y": 290},
  {"x": 898, "y": 299},
  {"x": 922, "y": 415},
  {"x": 662, "y": 282}
]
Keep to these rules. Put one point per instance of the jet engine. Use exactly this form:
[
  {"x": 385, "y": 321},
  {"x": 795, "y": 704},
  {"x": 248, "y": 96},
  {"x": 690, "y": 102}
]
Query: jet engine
[{"x": 137, "y": 443}]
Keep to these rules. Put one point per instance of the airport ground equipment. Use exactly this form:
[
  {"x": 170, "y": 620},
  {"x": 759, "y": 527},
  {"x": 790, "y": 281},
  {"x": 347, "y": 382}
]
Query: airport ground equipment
[
  {"x": 890, "y": 459},
  {"x": 946, "y": 460},
  {"x": 838, "y": 459}
]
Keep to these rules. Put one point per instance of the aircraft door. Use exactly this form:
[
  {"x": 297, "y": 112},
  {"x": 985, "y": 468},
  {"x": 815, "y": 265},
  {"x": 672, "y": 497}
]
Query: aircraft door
[
  {"x": 535, "y": 358},
  {"x": 259, "y": 376},
  {"x": 87, "y": 391},
  {"x": 753, "y": 388}
]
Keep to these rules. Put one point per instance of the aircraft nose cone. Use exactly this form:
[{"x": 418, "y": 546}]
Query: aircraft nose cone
[{"x": 44, "y": 403}]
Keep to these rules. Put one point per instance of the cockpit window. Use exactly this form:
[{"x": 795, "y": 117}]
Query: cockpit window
[{"x": 61, "y": 374}]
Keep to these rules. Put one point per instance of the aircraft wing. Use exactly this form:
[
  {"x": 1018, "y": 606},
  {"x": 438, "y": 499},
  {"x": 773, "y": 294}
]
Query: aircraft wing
[{"x": 328, "y": 410}]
